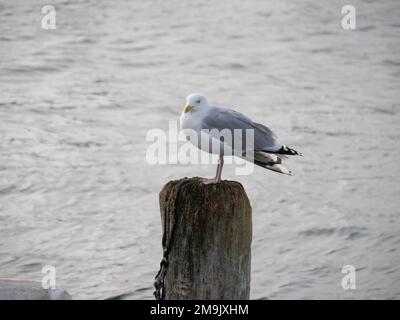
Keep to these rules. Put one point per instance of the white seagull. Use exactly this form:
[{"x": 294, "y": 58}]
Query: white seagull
[{"x": 205, "y": 120}]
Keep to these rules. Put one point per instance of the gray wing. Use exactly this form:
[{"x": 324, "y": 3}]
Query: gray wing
[{"x": 222, "y": 118}]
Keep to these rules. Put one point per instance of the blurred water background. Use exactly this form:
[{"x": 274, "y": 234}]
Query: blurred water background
[{"x": 76, "y": 103}]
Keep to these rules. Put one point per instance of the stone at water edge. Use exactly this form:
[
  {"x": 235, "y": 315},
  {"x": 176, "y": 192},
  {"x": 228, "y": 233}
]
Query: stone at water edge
[{"x": 14, "y": 289}]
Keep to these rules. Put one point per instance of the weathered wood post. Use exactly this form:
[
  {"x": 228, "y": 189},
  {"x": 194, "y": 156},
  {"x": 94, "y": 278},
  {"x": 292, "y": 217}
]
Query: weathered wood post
[{"x": 207, "y": 232}]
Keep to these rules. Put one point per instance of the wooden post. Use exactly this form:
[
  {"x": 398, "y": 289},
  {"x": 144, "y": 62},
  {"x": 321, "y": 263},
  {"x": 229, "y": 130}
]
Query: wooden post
[{"x": 207, "y": 232}]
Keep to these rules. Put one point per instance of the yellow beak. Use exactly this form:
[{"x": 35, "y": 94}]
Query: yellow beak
[{"x": 188, "y": 108}]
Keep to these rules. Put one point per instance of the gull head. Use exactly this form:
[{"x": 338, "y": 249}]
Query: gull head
[{"x": 195, "y": 102}]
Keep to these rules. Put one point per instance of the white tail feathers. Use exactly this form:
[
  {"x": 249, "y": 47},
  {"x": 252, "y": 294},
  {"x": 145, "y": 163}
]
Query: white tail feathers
[{"x": 278, "y": 168}]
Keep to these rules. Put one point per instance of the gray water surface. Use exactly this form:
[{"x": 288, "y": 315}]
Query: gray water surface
[{"x": 76, "y": 103}]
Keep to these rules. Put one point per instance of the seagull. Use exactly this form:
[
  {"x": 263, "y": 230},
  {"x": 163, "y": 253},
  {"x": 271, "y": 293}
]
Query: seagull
[{"x": 205, "y": 120}]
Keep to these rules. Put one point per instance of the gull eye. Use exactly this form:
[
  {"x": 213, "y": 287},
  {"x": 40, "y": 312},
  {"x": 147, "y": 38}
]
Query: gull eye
[{"x": 198, "y": 101}]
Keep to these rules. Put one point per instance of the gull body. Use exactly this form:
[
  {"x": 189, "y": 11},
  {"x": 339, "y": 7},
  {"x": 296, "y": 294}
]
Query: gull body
[{"x": 208, "y": 121}]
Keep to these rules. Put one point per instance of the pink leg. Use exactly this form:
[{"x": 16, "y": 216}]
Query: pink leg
[{"x": 217, "y": 178}]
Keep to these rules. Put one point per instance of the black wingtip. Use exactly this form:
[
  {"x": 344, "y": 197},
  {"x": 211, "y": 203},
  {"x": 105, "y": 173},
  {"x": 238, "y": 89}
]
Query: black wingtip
[{"x": 288, "y": 151}]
